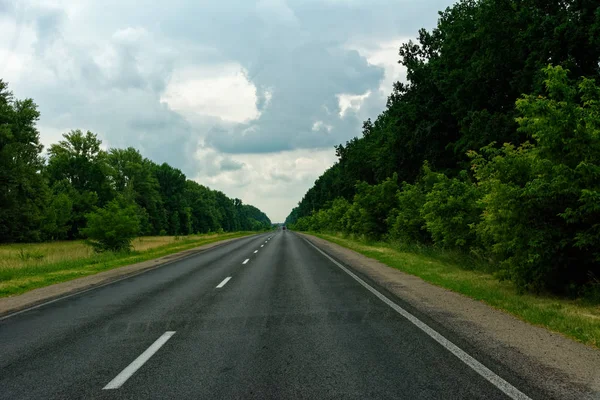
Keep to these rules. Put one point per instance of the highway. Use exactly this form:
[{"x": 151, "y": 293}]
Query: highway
[{"x": 265, "y": 316}]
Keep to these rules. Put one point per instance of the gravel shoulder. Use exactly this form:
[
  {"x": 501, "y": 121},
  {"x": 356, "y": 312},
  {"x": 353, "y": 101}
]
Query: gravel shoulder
[
  {"x": 10, "y": 305},
  {"x": 561, "y": 367}
]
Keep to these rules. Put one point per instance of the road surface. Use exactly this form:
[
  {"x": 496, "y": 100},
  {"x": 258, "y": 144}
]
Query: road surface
[{"x": 266, "y": 316}]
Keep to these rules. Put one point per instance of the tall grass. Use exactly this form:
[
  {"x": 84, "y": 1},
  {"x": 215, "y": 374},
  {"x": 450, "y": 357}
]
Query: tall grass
[{"x": 28, "y": 266}]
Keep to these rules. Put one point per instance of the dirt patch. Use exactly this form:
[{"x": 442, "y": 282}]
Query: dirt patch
[
  {"x": 9, "y": 305},
  {"x": 561, "y": 367}
]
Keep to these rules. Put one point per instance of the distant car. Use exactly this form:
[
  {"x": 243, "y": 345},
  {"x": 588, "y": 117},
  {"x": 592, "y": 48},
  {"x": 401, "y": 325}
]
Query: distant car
[{"x": 283, "y": 227}]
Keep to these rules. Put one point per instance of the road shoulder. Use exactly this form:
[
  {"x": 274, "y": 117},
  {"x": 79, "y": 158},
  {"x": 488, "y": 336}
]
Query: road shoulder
[
  {"x": 32, "y": 298},
  {"x": 564, "y": 368}
]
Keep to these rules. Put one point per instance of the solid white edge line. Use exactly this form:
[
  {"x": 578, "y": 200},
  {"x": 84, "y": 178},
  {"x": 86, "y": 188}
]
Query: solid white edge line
[
  {"x": 220, "y": 285},
  {"x": 262, "y": 245},
  {"x": 478, "y": 367},
  {"x": 120, "y": 379},
  {"x": 246, "y": 261},
  {"x": 255, "y": 251}
]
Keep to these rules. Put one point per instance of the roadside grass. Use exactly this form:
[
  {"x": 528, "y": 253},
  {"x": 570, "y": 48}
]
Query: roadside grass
[
  {"x": 577, "y": 319},
  {"x": 24, "y": 267}
]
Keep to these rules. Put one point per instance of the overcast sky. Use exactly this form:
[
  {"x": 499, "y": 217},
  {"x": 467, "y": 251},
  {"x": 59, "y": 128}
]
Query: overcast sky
[{"x": 247, "y": 97}]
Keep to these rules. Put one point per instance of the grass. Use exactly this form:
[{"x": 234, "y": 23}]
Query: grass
[
  {"x": 24, "y": 267},
  {"x": 576, "y": 319}
]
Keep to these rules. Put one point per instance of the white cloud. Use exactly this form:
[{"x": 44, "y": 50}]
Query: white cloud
[
  {"x": 383, "y": 54},
  {"x": 275, "y": 182},
  {"x": 15, "y": 49},
  {"x": 351, "y": 102},
  {"x": 130, "y": 35},
  {"x": 320, "y": 125},
  {"x": 221, "y": 91}
]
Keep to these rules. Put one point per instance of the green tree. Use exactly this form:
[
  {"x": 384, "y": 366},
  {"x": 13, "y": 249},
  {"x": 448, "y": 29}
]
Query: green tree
[
  {"x": 373, "y": 206},
  {"x": 80, "y": 166},
  {"x": 202, "y": 202},
  {"x": 58, "y": 216},
  {"x": 172, "y": 184},
  {"x": 113, "y": 227},
  {"x": 229, "y": 220},
  {"x": 130, "y": 169},
  {"x": 451, "y": 211},
  {"x": 541, "y": 218},
  {"x": 79, "y": 160},
  {"x": 23, "y": 190},
  {"x": 406, "y": 222}
]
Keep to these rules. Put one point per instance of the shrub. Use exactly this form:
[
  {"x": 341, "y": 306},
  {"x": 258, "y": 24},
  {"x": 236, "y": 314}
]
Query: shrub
[
  {"x": 406, "y": 222},
  {"x": 373, "y": 205},
  {"x": 451, "y": 211},
  {"x": 113, "y": 227},
  {"x": 541, "y": 215}
]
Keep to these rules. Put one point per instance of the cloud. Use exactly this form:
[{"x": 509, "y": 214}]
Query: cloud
[
  {"x": 351, "y": 102},
  {"x": 276, "y": 11},
  {"x": 221, "y": 91},
  {"x": 307, "y": 81},
  {"x": 227, "y": 164},
  {"x": 275, "y": 183},
  {"x": 245, "y": 96}
]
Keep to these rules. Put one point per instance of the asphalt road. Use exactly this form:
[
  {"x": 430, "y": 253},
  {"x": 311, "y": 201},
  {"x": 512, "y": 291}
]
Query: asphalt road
[{"x": 289, "y": 323}]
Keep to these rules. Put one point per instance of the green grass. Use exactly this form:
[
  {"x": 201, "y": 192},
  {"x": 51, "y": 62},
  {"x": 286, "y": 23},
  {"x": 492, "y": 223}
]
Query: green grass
[
  {"x": 24, "y": 267},
  {"x": 576, "y": 319}
]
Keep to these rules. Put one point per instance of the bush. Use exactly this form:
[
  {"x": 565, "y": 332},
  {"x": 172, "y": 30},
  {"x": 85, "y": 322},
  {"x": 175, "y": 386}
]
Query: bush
[
  {"x": 406, "y": 223},
  {"x": 58, "y": 215},
  {"x": 373, "y": 205},
  {"x": 541, "y": 214},
  {"x": 113, "y": 227},
  {"x": 335, "y": 214},
  {"x": 451, "y": 211}
]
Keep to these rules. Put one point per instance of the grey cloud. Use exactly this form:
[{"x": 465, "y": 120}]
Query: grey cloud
[
  {"x": 302, "y": 59},
  {"x": 306, "y": 80},
  {"x": 228, "y": 164},
  {"x": 48, "y": 25},
  {"x": 7, "y": 7},
  {"x": 280, "y": 177},
  {"x": 372, "y": 19}
]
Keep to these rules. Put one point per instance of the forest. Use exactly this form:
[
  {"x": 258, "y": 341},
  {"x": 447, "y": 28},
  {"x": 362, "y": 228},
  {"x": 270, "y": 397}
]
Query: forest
[
  {"x": 59, "y": 195},
  {"x": 491, "y": 148}
]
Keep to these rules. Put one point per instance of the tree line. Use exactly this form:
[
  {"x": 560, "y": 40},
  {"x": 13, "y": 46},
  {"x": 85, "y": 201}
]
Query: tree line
[
  {"x": 55, "y": 197},
  {"x": 491, "y": 148}
]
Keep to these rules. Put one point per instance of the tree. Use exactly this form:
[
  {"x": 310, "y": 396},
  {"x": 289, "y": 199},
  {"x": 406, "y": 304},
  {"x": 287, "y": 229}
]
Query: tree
[
  {"x": 130, "y": 169},
  {"x": 80, "y": 166},
  {"x": 172, "y": 184},
  {"x": 451, "y": 211},
  {"x": 406, "y": 223},
  {"x": 113, "y": 227},
  {"x": 23, "y": 190},
  {"x": 229, "y": 220},
  {"x": 58, "y": 217},
  {"x": 79, "y": 160},
  {"x": 373, "y": 204},
  {"x": 203, "y": 208},
  {"x": 541, "y": 217}
]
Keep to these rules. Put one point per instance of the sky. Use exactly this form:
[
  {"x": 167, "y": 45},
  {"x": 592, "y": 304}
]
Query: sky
[{"x": 247, "y": 97}]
